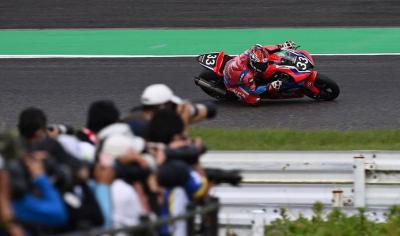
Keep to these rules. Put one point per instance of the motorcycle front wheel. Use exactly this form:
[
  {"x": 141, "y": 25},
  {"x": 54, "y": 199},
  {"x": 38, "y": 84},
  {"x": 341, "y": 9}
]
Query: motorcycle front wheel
[{"x": 329, "y": 90}]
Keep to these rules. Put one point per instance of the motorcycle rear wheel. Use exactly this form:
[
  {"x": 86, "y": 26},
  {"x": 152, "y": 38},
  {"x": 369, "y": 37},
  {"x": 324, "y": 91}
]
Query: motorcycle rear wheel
[{"x": 216, "y": 81}]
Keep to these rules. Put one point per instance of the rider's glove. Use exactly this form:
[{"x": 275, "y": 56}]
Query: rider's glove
[
  {"x": 288, "y": 45},
  {"x": 275, "y": 85},
  {"x": 261, "y": 89}
]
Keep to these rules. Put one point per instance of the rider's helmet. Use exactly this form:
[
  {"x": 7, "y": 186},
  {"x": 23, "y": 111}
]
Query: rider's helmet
[{"x": 258, "y": 58}]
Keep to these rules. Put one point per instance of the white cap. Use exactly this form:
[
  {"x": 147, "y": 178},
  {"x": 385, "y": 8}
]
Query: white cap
[
  {"x": 118, "y": 145},
  {"x": 157, "y": 94},
  {"x": 122, "y": 129},
  {"x": 116, "y": 128}
]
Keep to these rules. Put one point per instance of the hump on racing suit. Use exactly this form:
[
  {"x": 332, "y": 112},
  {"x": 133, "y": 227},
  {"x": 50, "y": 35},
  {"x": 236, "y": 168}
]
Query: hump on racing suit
[{"x": 240, "y": 72}]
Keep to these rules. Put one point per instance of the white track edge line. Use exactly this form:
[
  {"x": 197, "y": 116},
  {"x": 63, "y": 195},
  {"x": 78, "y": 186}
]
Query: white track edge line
[{"x": 172, "y": 56}]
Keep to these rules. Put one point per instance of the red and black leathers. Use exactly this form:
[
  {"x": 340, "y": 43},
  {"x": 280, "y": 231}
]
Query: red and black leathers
[{"x": 239, "y": 76}]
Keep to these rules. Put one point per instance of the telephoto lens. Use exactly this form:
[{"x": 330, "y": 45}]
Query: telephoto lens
[
  {"x": 210, "y": 107},
  {"x": 219, "y": 176}
]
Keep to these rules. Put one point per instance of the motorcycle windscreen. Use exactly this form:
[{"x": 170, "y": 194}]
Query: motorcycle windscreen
[{"x": 298, "y": 60}]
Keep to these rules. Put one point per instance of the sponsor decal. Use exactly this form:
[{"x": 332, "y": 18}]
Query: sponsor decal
[
  {"x": 240, "y": 92},
  {"x": 243, "y": 74},
  {"x": 292, "y": 68},
  {"x": 201, "y": 58},
  {"x": 309, "y": 84}
]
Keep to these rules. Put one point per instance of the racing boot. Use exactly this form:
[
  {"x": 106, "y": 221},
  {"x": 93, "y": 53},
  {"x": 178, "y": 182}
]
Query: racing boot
[{"x": 244, "y": 96}]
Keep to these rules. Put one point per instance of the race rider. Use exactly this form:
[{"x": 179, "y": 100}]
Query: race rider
[{"x": 241, "y": 71}]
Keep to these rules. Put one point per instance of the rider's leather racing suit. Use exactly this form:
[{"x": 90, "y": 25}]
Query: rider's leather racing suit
[{"x": 239, "y": 77}]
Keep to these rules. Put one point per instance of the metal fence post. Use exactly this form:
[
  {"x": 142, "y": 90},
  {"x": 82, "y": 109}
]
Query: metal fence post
[
  {"x": 148, "y": 231},
  {"x": 337, "y": 198},
  {"x": 258, "y": 227},
  {"x": 359, "y": 181},
  {"x": 210, "y": 220},
  {"x": 190, "y": 227}
]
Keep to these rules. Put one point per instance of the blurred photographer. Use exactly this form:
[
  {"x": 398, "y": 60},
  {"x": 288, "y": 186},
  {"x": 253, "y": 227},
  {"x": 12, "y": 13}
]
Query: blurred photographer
[
  {"x": 41, "y": 207},
  {"x": 159, "y": 96},
  {"x": 68, "y": 173},
  {"x": 8, "y": 225},
  {"x": 122, "y": 196},
  {"x": 127, "y": 205},
  {"x": 32, "y": 126},
  {"x": 100, "y": 114},
  {"x": 168, "y": 128},
  {"x": 181, "y": 173},
  {"x": 36, "y": 203}
]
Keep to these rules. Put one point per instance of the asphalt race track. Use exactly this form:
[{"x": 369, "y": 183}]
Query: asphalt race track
[
  {"x": 64, "y": 88},
  {"x": 197, "y": 13}
]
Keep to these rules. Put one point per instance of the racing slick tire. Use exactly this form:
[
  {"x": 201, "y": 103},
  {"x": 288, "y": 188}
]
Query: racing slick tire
[
  {"x": 211, "y": 83},
  {"x": 329, "y": 90}
]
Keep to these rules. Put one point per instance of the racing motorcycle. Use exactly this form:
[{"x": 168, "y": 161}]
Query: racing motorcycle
[{"x": 295, "y": 65}]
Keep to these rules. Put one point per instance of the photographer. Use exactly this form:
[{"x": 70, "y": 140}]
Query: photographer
[
  {"x": 182, "y": 175},
  {"x": 122, "y": 197},
  {"x": 32, "y": 126},
  {"x": 41, "y": 207},
  {"x": 100, "y": 114},
  {"x": 127, "y": 205},
  {"x": 8, "y": 226},
  {"x": 36, "y": 203},
  {"x": 159, "y": 96},
  {"x": 168, "y": 128},
  {"x": 69, "y": 174}
]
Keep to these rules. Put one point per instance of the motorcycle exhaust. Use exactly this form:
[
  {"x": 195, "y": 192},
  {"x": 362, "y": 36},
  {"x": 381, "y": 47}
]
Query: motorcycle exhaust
[{"x": 203, "y": 83}]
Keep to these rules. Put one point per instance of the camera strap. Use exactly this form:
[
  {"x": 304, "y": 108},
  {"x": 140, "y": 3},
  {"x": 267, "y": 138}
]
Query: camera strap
[{"x": 91, "y": 136}]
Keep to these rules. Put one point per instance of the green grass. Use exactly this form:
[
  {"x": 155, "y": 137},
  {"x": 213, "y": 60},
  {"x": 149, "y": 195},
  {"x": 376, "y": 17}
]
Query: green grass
[
  {"x": 336, "y": 223},
  {"x": 256, "y": 139}
]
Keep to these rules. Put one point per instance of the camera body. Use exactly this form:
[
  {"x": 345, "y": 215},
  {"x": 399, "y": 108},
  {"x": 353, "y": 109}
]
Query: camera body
[
  {"x": 131, "y": 172},
  {"x": 61, "y": 175},
  {"x": 61, "y": 129},
  {"x": 12, "y": 148}
]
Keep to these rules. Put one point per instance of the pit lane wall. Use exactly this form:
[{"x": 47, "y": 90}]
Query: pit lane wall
[{"x": 296, "y": 180}]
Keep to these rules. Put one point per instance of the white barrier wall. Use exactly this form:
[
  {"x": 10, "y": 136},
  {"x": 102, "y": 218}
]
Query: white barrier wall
[{"x": 296, "y": 180}]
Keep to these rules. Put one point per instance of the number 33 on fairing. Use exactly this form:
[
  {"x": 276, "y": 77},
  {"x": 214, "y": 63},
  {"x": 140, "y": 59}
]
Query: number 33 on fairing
[
  {"x": 302, "y": 63},
  {"x": 209, "y": 60}
]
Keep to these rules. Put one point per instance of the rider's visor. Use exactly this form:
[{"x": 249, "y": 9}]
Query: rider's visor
[{"x": 260, "y": 66}]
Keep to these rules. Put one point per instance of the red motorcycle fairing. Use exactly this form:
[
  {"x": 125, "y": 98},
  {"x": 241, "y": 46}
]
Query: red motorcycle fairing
[
  {"x": 297, "y": 76},
  {"x": 298, "y": 64},
  {"x": 307, "y": 55},
  {"x": 310, "y": 83}
]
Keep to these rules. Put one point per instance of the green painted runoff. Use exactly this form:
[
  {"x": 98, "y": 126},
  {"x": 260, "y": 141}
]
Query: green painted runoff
[{"x": 194, "y": 41}]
